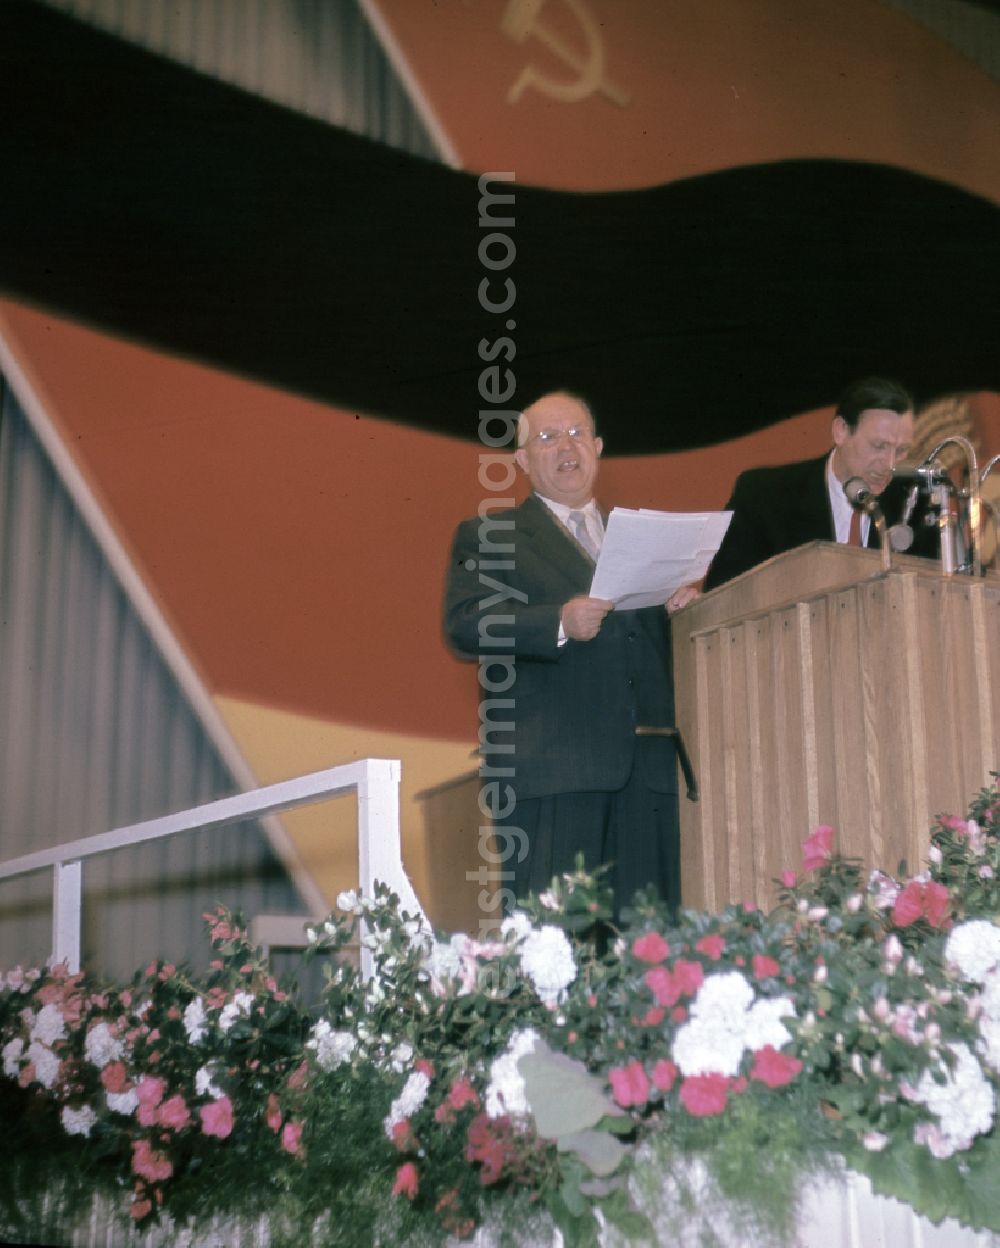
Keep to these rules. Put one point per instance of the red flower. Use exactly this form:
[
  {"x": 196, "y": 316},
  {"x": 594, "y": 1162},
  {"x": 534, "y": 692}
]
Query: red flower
[
  {"x": 653, "y": 1016},
  {"x": 407, "y": 1181},
  {"x": 150, "y": 1165},
  {"x": 817, "y": 848},
  {"x": 689, "y": 976},
  {"x": 936, "y": 903},
  {"x": 488, "y": 1143},
  {"x": 764, "y": 967},
  {"x": 650, "y": 948},
  {"x": 424, "y": 1067},
  {"x": 217, "y": 1118},
  {"x": 664, "y": 1074},
  {"x": 917, "y": 900},
  {"x": 711, "y": 946},
  {"x": 629, "y": 1084},
  {"x": 705, "y": 1095},
  {"x": 114, "y": 1077},
  {"x": 774, "y": 1068}
]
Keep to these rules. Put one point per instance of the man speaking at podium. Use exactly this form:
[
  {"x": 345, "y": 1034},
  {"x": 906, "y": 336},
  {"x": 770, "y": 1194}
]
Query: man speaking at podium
[
  {"x": 566, "y": 773},
  {"x": 777, "y": 509}
]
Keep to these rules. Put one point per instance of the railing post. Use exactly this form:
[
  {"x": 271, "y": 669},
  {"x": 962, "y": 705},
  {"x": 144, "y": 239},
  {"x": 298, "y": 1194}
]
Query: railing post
[
  {"x": 379, "y": 853},
  {"x": 66, "y": 913}
]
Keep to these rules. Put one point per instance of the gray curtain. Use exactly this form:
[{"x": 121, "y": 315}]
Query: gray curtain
[{"x": 95, "y": 733}]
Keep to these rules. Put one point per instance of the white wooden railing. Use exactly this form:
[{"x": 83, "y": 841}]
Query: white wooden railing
[{"x": 375, "y": 780}]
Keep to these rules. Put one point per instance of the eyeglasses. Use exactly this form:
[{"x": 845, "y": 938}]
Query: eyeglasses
[{"x": 551, "y": 437}]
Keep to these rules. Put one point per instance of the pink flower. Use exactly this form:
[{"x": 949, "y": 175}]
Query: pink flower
[
  {"x": 705, "y": 1095},
  {"x": 689, "y": 976},
  {"x": 653, "y": 1016},
  {"x": 150, "y": 1165},
  {"x": 664, "y": 1074},
  {"x": 149, "y": 1091},
  {"x": 661, "y": 983},
  {"x": 629, "y": 1084},
  {"x": 788, "y": 878},
  {"x": 217, "y": 1117},
  {"x": 817, "y": 848},
  {"x": 650, "y": 948},
  {"x": 919, "y": 900},
  {"x": 139, "y": 1208},
  {"x": 424, "y": 1067},
  {"x": 711, "y": 946},
  {"x": 291, "y": 1137},
  {"x": 174, "y": 1114},
  {"x": 773, "y": 1068},
  {"x": 764, "y": 967},
  {"x": 407, "y": 1181},
  {"x": 272, "y": 1114},
  {"x": 463, "y": 1093}
]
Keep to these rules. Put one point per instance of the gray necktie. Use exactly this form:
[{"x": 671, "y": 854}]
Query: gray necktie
[{"x": 578, "y": 527}]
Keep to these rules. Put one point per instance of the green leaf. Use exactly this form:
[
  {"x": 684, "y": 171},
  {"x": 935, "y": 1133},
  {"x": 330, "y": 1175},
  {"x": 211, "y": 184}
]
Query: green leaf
[
  {"x": 601, "y": 1153},
  {"x": 564, "y": 1096}
]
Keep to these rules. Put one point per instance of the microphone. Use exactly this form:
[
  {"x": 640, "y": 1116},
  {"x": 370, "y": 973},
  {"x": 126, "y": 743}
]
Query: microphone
[{"x": 861, "y": 497}]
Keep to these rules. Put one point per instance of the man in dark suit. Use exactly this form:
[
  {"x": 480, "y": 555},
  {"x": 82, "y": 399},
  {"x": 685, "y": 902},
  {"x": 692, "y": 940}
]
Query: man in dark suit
[
  {"x": 563, "y": 770},
  {"x": 777, "y": 509}
]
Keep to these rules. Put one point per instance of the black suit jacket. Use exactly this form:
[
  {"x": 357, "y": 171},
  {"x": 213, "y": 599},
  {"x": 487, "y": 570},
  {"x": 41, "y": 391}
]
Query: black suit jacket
[
  {"x": 777, "y": 509},
  {"x": 566, "y": 723}
]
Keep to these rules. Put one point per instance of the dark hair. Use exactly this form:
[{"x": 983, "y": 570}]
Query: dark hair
[{"x": 872, "y": 392}]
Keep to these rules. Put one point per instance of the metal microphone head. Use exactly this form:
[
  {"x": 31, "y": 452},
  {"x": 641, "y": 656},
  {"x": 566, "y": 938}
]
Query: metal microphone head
[{"x": 858, "y": 493}]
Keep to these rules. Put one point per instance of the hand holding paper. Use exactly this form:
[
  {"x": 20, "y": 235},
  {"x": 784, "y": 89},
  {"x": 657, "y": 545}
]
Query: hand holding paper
[{"x": 647, "y": 555}]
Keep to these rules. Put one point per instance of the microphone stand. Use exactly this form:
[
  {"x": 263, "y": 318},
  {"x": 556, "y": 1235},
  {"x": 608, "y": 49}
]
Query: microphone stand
[{"x": 947, "y": 522}]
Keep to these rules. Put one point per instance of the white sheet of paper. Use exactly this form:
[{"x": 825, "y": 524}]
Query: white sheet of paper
[{"x": 646, "y": 555}]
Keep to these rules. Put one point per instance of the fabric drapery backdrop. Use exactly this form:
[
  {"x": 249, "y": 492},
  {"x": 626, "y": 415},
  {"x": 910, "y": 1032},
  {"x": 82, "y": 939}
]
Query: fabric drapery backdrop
[{"x": 96, "y": 734}]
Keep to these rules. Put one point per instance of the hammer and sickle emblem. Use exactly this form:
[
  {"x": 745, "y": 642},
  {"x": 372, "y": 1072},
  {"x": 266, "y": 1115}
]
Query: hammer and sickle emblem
[{"x": 521, "y": 20}]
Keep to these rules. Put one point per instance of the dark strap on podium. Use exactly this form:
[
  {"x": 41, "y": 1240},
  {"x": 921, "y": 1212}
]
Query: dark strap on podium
[{"x": 682, "y": 755}]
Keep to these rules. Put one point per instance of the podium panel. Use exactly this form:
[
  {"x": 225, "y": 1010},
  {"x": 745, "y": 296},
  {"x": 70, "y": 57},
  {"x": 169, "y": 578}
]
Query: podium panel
[{"x": 818, "y": 689}]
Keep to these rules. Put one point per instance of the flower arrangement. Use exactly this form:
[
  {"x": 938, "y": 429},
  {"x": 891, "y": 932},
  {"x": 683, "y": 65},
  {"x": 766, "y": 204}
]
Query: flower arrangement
[{"x": 565, "y": 1072}]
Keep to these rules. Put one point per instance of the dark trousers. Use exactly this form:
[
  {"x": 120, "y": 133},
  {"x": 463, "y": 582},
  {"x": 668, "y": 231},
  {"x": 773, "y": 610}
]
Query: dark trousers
[{"x": 634, "y": 829}]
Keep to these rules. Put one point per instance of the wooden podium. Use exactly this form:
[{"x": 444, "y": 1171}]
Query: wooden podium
[{"x": 817, "y": 688}]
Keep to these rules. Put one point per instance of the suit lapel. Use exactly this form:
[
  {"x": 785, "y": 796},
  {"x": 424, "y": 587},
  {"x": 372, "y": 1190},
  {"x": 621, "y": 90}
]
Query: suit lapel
[{"x": 552, "y": 544}]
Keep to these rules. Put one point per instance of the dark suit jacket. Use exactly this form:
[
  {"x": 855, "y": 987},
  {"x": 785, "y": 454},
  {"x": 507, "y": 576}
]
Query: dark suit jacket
[
  {"x": 571, "y": 711},
  {"x": 777, "y": 509}
]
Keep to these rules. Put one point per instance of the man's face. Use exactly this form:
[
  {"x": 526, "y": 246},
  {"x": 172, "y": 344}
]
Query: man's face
[
  {"x": 561, "y": 467},
  {"x": 880, "y": 441}
]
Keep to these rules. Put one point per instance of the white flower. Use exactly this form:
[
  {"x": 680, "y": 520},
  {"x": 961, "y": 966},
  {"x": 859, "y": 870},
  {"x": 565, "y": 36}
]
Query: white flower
[
  {"x": 707, "y": 1046},
  {"x": 443, "y": 963},
  {"x": 12, "y": 1051},
  {"x": 725, "y": 997},
  {"x": 547, "y": 960},
  {"x": 505, "y": 1092},
  {"x": 401, "y": 1056},
  {"x": 204, "y": 1082},
  {"x": 405, "y": 1105},
  {"x": 78, "y": 1121},
  {"x": 516, "y": 926},
  {"x": 332, "y": 1048},
  {"x": 45, "y": 1062},
  {"x": 974, "y": 947},
  {"x": 548, "y": 899},
  {"x": 348, "y": 901},
  {"x": 102, "y": 1046},
  {"x": 49, "y": 1026},
  {"x": 989, "y": 1040},
  {"x": 241, "y": 1004},
  {"x": 874, "y": 1141},
  {"x": 123, "y": 1102},
  {"x": 764, "y": 1025},
  {"x": 195, "y": 1020},
  {"x": 964, "y": 1103}
]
